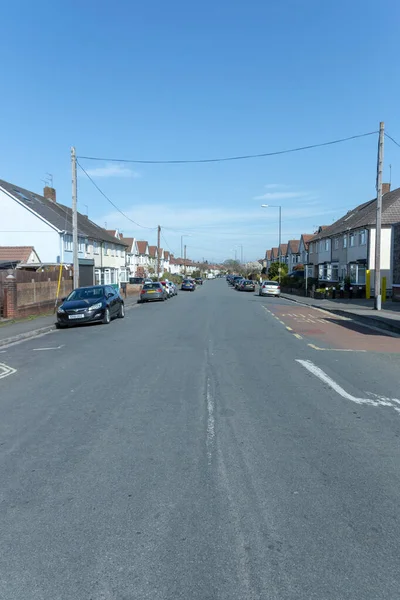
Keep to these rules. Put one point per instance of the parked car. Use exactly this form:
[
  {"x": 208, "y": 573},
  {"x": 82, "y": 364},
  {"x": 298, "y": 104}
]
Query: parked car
[
  {"x": 136, "y": 280},
  {"x": 90, "y": 304},
  {"x": 270, "y": 288},
  {"x": 238, "y": 282},
  {"x": 246, "y": 285},
  {"x": 199, "y": 280},
  {"x": 188, "y": 285},
  {"x": 153, "y": 291},
  {"x": 173, "y": 287}
]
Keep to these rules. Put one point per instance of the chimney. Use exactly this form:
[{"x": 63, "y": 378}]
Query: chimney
[
  {"x": 49, "y": 193},
  {"x": 385, "y": 188}
]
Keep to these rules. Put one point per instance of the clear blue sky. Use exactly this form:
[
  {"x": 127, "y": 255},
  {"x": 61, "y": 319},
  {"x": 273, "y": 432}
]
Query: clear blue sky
[{"x": 171, "y": 80}]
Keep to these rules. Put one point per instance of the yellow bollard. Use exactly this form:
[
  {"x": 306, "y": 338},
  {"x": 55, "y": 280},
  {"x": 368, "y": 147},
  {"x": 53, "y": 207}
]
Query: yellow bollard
[
  {"x": 383, "y": 289},
  {"x": 368, "y": 284}
]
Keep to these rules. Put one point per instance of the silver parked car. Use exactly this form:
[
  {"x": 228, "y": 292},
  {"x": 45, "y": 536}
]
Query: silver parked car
[
  {"x": 153, "y": 291},
  {"x": 270, "y": 288}
]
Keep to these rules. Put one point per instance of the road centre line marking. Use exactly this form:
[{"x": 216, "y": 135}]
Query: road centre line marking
[
  {"x": 54, "y": 348},
  {"x": 289, "y": 328},
  {"x": 281, "y": 322},
  {"x": 320, "y": 374},
  {"x": 314, "y": 347},
  {"x": 5, "y": 370},
  {"x": 298, "y": 336}
]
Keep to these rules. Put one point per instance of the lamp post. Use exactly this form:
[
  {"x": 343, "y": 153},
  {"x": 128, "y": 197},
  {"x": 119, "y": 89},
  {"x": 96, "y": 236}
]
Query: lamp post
[{"x": 280, "y": 234}]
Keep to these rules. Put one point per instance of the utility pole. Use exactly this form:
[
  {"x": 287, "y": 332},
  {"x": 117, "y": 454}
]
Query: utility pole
[
  {"x": 184, "y": 261},
  {"x": 280, "y": 240},
  {"x": 74, "y": 219},
  {"x": 241, "y": 253},
  {"x": 158, "y": 250},
  {"x": 377, "y": 285}
]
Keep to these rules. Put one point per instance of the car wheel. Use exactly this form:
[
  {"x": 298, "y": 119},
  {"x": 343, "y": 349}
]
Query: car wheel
[
  {"x": 121, "y": 313},
  {"x": 107, "y": 317}
]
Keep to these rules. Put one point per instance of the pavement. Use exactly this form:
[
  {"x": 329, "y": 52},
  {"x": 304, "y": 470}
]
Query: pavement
[
  {"x": 361, "y": 310},
  {"x": 12, "y": 331},
  {"x": 216, "y": 446}
]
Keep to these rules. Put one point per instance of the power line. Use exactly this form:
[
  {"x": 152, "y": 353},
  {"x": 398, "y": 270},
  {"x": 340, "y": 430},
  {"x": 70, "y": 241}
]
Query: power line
[
  {"x": 393, "y": 140},
  {"x": 228, "y": 158},
  {"x": 111, "y": 202},
  {"x": 168, "y": 246}
]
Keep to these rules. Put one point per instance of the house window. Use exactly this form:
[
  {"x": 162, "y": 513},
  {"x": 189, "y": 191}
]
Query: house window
[
  {"x": 326, "y": 245},
  {"x": 96, "y": 247},
  {"x": 345, "y": 241},
  {"x": 87, "y": 247},
  {"x": 68, "y": 243},
  {"x": 112, "y": 250},
  {"x": 114, "y": 278},
  {"x": 352, "y": 240},
  {"x": 97, "y": 277},
  {"x": 117, "y": 252},
  {"x": 325, "y": 272},
  {"x": 310, "y": 248},
  {"x": 321, "y": 246},
  {"x": 81, "y": 245},
  {"x": 107, "y": 277},
  {"x": 357, "y": 274},
  {"x": 335, "y": 273},
  {"x": 336, "y": 243},
  {"x": 363, "y": 237}
]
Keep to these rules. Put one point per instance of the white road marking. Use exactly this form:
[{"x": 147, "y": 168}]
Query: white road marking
[
  {"x": 5, "y": 370},
  {"x": 210, "y": 423},
  {"x": 298, "y": 336},
  {"x": 54, "y": 348},
  {"x": 377, "y": 401},
  {"x": 314, "y": 347}
]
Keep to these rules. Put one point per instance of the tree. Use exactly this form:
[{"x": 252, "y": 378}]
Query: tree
[
  {"x": 273, "y": 271},
  {"x": 233, "y": 266},
  {"x": 253, "y": 267}
]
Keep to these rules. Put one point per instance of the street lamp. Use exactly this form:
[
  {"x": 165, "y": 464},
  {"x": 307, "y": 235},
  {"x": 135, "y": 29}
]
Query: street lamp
[
  {"x": 280, "y": 233},
  {"x": 182, "y": 236}
]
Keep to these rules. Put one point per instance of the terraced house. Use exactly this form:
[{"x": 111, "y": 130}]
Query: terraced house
[
  {"x": 346, "y": 249},
  {"x": 30, "y": 219}
]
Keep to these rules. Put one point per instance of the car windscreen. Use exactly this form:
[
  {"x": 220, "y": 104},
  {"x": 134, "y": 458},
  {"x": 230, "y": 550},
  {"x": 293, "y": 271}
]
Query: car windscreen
[
  {"x": 151, "y": 286},
  {"x": 86, "y": 293}
]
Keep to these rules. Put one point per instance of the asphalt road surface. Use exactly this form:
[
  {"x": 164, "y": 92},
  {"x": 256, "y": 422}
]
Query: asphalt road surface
[{"x": 217, "y": 446}]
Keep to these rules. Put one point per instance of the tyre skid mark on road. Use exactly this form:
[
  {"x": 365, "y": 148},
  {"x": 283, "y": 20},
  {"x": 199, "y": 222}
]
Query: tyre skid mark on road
[
  {"x": 375, "y": 399},
  {"x": 210, "y": 423}
]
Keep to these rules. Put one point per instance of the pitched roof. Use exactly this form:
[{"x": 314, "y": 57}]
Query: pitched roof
[
  {"x": 306, "y": 237},
  {"x": 16, "y": 253},
  {"x": 294, "y": 246},
  {"x": 364, "y": 215},
  {"x": 283, "y": 248},
  {"x": 130, "y": 242},
  {"x": 153, "y": 251},
  {"x": 58, "y": 215},
  {"x": 112, "y": 232},
  {"x": 142, "y": 247},
  {"x": 166, "y": 255},
  {"x": 268, "y": 254}
]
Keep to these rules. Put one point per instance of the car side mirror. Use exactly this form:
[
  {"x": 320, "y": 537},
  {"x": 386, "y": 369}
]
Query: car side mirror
[{"x": 63, "y": 299}]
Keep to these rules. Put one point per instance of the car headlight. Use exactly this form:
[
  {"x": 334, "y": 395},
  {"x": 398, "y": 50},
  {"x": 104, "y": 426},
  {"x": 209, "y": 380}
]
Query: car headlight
[
  {"x": 61, "y": 310},
  {"x": 95, "y": 306}
]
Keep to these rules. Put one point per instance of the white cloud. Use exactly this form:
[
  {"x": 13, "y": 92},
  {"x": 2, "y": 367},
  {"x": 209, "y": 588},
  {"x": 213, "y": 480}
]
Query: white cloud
[
  {"x": 282, "y": 195},
  {"x": 112, "y": 170}
]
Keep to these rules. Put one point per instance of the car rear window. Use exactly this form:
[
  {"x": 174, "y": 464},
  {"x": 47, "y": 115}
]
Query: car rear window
[
  {"x": 151, "y": 286},
  {"x": 271, "y": 283}
]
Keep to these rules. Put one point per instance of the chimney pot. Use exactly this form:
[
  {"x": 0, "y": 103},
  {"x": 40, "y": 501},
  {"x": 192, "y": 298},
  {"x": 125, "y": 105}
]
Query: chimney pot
[
  {"x": 49, "y": 193},
  {"x": 385, "y": 188}
]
